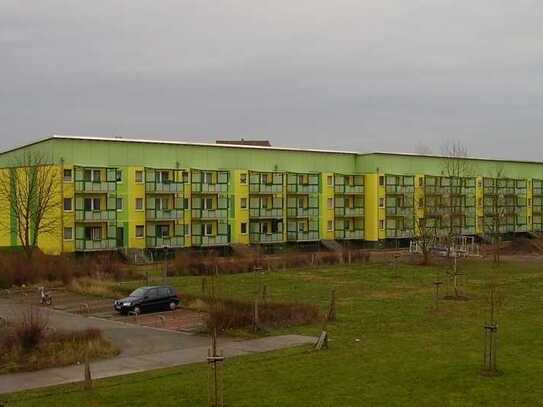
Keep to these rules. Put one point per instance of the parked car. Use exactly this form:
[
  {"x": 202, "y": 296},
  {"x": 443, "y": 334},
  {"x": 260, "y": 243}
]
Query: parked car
[{"x": 145, "y": 299}]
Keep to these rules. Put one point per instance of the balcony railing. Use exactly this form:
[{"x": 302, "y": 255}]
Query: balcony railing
[
  {"x": 400, "y": 189},
  {"x": 209, "y": 213},
  {"x": 302, "y": 236},
  {"x": 91, "y": 245},
  {"x": 164, "y": 214},
  {"x": 94, "y": 187},
  {"x": 266, "y": 212},
  {"x": 154, "y": 242},
  {"x": 349, "y": 234},
  {"x": 302, "y": 212},
  {"x": 349, "y": 212},
  {"x": 266, "y": 237},
  {"x": 399, "y": 233},
  {"x": 302, "y": 188},
  {"x": 95, "y": 216},
  {"x": 218, "y": 240},
  {"x": 265, "y": 188},
  {"x": 397, "y": 211},
  {"x": 164, "y": 187},
  {"x": 209, "y": 188},
  {"x": 349, "y": 189}
]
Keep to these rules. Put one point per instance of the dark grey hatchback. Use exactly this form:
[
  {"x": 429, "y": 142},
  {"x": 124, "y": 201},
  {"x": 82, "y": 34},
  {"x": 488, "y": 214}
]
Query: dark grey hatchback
[{"x": 144, "y": 299}]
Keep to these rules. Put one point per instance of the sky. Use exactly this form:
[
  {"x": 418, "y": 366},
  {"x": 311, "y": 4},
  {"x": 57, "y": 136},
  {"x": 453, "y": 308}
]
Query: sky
[{"x": 362, "y": 75}]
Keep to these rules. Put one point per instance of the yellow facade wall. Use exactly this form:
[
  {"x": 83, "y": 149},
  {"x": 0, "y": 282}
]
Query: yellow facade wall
[
  {"x": 326, "y": 211},
  {"x": 135, "y": 217},
  {"x": 241, "y": 191}
]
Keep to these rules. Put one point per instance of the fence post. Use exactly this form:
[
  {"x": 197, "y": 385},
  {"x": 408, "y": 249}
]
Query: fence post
[
  {"x": 332, "y": 309},
  {"x": 88, "y": 376}
]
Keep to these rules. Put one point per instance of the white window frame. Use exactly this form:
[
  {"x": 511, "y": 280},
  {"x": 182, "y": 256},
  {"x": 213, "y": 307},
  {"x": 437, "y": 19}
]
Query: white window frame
[
  {"x": 205, "y": 176},
  {"x": 138, "y": 174},
  {"x": 142, "y": 205},
  {"x": 119, "y": 176},
  {"x": 71, "y": 178},
  {"x": 142, "y": 228},
  {"x": 243, "y": 203},
  {"x": 330, "y": 226},
  {"x": 205, "y": 229},
  {"x": 330, "y": 203},
  {"x": 205, "y": 205},
  {"x": 71, "y": 229},
  {"x": 119, "y": 207},
  {"x": 71, "y": 204},
  {"x": 241, "y": 228}
]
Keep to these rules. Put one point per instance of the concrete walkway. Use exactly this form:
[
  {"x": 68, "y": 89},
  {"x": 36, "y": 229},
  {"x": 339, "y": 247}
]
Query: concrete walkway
[{"x": 133, "y": 364}]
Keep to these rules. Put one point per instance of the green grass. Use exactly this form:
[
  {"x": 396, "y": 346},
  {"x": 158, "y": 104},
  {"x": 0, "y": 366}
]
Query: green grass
[{"x": 407, "y": 354}]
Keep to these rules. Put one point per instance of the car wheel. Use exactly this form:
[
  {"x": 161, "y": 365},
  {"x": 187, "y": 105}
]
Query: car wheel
[
  {"x": 173, "y": 306},
  {"x": 137, "y": 310}
]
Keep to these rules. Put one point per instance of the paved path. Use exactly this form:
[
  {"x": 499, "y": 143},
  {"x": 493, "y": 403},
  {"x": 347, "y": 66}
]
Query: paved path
[
  {"x": 132, "y": 364},
  {"x": 142, "y": 348}
]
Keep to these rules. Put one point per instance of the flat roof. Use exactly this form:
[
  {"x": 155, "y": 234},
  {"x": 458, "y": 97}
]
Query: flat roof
[{"x": 252, "y": 147}]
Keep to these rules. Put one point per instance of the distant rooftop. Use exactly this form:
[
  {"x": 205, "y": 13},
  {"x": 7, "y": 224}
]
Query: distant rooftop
[{"x": 243, "y": 142}]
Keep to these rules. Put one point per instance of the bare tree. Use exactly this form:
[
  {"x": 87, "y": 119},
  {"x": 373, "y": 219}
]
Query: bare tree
[
  {"x": 494, "y": 216},
  {"x": 425, "y": 238},
  {"x": 29, "y": 189}
]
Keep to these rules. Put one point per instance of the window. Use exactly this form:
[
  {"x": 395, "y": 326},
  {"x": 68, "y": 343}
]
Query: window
[
  {"x": 93, "y": 233},
  {"x": 119, "y": 175},
  {"x": 243, "y": 228},
  {"x": 243, "y": 203},
  {"x": 329, "y": 180},
  {"x": 139, "y": 176},
  {"x": 119, "y": 204},
  {"x": 68, "y": 233},
  {"x": 301, "y": 203},
  {"x": 139, "y": 204},
  {"x": 139, "y": 231},
  {"x": 91, "y": 204},
  {"x": 87, "y": 175},
  {"x": 208, "y": 229},
  {"x": 265, "y": 203},
  {"x": 67, "y": 204},
  {"x": 529, "y": 202},
  {"x": 96, "y": 176},
  {"x": 91, "y": 175},
  {"x": 421, "y": 202},
  {"x": 162, "y": 177},
  {"x": 330, "y": 226},
  {"x": 265, "y": 228},
  {"x": 163, "y": 230},
  {"x": 208, "y": 178},
  {"x": 330, "y": 203},
  {"x": 381, "y": 180},
  {"x": 266, "y": 179},
  {"x": 301, "y": 227},
  {"x": 243, "y": 179},
  {"x": 207, "y": 203},
  {"x": 381, "y": 202},
  {"x": 68, "y": 175},
  {"x": 480, "y": 202},
  {"x": 421, "y": 181},
  {"x": 162, "y": 204},
  {"x": 185, "y": 203},
  {"x": 381, "y": 224}
]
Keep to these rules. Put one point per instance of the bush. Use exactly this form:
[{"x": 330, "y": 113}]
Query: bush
[
  {"x": 31, "y": 331},
  {"x": 232, "y": 314}
]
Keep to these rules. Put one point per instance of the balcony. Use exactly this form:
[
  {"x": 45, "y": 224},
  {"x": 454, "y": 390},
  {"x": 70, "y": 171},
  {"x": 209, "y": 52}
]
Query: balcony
[
  {"x": 84, "y": 245},
  {"x": 95, "y": 216},
  {"x": 209, "y": 188},
  {"x": 302, "y": 189},
  {"x": 266, "y": 212},
  {"x": 302, "y": 212},
  {"x": 102, "y": 187},
  {"x": 399, "y": 234},
  {"x": 163, "y": 214},
  {"x": 205, "y": 241},
  {"x": 349, "y": 212},
  {"x": 266, "y": 237},
  {"x": 397, "y": 211},
  {"x": 154, "y": 242},
  {"x": 209, "y": 213},
  {"x": 265, "y": 188},
  {"x": 302, "y": 236},
  {"x": 349, "y": 234},
  {"x": 164, "y": 187},
  {"x": 349, "y": 189},
  {"x": 399, "y": 189}
]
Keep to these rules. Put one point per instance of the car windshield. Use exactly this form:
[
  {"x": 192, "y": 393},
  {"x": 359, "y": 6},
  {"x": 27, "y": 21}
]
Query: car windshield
[{"x": 138, "y": 292}]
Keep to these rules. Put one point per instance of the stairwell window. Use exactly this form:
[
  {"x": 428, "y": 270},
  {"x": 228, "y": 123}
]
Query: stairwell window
[
  {"x": 330, "y": 203},
  {"x": 119, "y": 204},
  {"x": 67, "y": 175},
  {"x": 68, "y": 233},
  {"x": 381, "y": 224},
  {"x": 243, "y": 179},
  {"x": 140, "y": 230},
  {"x": 330, "y": 226},
  {"x": 139, "y": 176},
  {"x": 243, "y": 228},
  {"x": 329, "y": 180},
  {"x": 67, "y": 204},
  {"x": 381, "y": 180},
  {"x": 381, "y": 202},
  {"x": 243, "y": 203},
  {"x": 139, "y": 204}
]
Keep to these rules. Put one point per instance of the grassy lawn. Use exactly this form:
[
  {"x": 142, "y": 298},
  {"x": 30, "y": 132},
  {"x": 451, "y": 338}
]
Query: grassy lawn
[{"x": 407, "y": 354}]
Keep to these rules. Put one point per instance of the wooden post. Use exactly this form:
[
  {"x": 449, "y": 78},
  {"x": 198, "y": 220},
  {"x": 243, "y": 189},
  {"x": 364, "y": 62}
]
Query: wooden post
[
  {"x": 264, "y": 293},
  {"x": 332, "y": 308},
  {"x": 204, "y": 286},
  {"x": 88, "y": 376}
]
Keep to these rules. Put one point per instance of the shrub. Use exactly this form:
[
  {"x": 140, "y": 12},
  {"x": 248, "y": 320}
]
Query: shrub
[
  {"x": 31, "y": 331},
  {"x": 232, "y": 314}
]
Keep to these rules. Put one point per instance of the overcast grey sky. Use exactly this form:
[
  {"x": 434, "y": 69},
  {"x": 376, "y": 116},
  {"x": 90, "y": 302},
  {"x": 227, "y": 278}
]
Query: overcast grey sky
[{"x": 346, "y": 74}]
